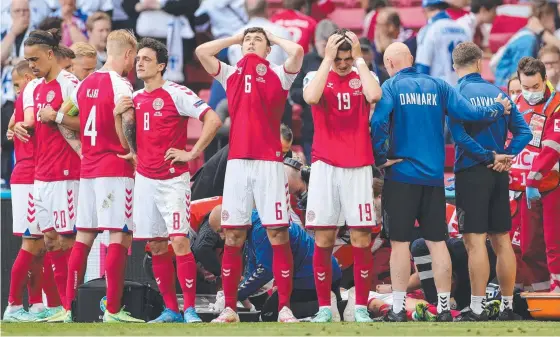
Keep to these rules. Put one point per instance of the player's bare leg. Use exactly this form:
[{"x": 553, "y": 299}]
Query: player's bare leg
[
  {"x": 283, "y": 271},
  {"x": 505, "y": 270},
  {"x": 363, "y": 270},
  {"x": 479, "y": 271},
  {"x": 232, "y": 262},
  {"x": 322, "y": 272},
  {"x": 441, "y": 266},
  {"x": 400, "y": 274}
]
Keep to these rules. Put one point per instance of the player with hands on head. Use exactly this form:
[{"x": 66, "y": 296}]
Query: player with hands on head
[
  {"x": 162, "y": 197},
  {"x": 340, "y": 93},
  {"x": 256, "y": 91},
  {"x": 411, "y": 99}
]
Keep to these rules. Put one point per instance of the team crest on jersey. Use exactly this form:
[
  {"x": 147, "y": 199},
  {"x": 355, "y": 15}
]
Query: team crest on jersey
[
  {"x": 355, "y": 83},
  {"x": 261, "y": 69},
  {"x": 225, "y": 215},
  {"x": 310, "y": 216},
  {"x": 50, "y": 96},
  {"x": 158, "y": 104}
]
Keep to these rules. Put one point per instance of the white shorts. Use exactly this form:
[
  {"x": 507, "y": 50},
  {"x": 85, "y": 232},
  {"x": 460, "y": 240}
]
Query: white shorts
[
  {"x": 335, "y": 191},
  {"x": 24, "y": 213},
  {"x": 56, "y": 205},
  {"x": 106, "y": 204},
  {"x": 162, "y": 207},
  {"x": 250, "y": 183}
]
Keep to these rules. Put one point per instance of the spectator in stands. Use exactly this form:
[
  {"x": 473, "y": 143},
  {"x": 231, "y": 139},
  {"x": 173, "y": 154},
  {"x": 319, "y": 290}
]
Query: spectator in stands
[
  {"x": 73, "y": 22},
  {"x": 311, "y": 62},
  {"x": 257, "y": 10},
  {"x": 514, "y": 88},
  {"x": 301, "y": 26},
  {"x": 87, "y": 7},
  {"x": 457, "y": 9},
  {"x": 482, "y": 12},
  {"x": 388, "y": 30},
  {"x": 367, "y": 52},
  {"x": 98, "y": 27},
  {"x": 85, "y": 61},
  {"x": 550, "y": 56},
  {"x": 526, "y": 42},
  {"x": 371, "y": 8},
  {"x": 39, "y": 11}
]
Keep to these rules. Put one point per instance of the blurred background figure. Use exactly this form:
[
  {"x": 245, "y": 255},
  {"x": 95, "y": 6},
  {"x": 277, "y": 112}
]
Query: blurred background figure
[
  {"x": 98, "y": 28},
  {"x": 301, "y": 26},
  {"x": 550, "y": 56}
]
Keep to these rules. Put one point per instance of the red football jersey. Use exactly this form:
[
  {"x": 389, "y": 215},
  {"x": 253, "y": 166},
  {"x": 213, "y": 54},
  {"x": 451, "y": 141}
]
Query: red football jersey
[
  {"x": 301, "y": 26},
  {"x": 341, "y": 120},
  {"x": 256, "y": 92},
  {"x": 55, "y": 160},
  {"x": 161, "y": 123},
  {"x": 96, "y": 97},
  {"x": 24, "y": 170}
]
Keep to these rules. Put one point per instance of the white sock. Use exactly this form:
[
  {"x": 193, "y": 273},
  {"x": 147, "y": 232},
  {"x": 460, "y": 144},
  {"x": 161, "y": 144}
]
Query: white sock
[
  {"x": 37, "y": 308},
  {"x": 477, "y": 304},
  {"x": 14, "y": 308},
  {"x": 443, "y": 302},
  {"x": 507, "y": 303},
  {"x": 398, "y": 301}
]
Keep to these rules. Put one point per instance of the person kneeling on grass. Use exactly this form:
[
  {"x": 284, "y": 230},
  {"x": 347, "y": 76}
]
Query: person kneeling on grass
[{"x": 259, "y": 272}]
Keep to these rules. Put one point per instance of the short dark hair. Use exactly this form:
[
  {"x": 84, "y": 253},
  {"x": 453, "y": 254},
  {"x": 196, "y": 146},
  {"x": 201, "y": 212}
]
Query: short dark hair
[
  {"x": 376, "y": 4},
  {"x": 286, "y": 132},
  {"x": 345, "y": 46},
  {"x": 394, "y": 19},
  {"x": 22, "y": 67},
  {"x": 530, "y": 66},
  {"x": 50, "y": 23},
  {"x": 49, "y": 38},
  {"x": 541, "y": 7},
  {"x": 293, "y": 4},
  {"x": 511, "y": 79},
  {"x": 256, "y": 30},
  {"x": 157, "y": 46},
  {"x": 466, "y": 54},
  {"x": 63, "y": 52},
  {"x": 476, "y": 5}
]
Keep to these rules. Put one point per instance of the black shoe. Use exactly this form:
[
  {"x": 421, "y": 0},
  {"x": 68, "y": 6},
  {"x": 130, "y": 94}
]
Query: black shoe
[
  {"x": 390, "y": 316},
  {"x": 508, "y": 315},
  {"x": 468, "y": 315},
  {"x": 444, "y": 316}
]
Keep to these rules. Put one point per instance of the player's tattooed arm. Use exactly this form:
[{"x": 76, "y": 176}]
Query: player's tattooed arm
[
  {"x": 72, "y": 139},
  {"x": 129, "y": 129}
]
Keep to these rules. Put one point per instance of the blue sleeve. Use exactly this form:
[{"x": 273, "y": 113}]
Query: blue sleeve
[
  {"x": 424, "y": 69},
  {"x": 259, "y": 272},
  {"x": 467, "y": 143},
  {"x": 520, "y": 130},
  {"x": 380, "y": 124},
  {"x": 458, "y": 107}
]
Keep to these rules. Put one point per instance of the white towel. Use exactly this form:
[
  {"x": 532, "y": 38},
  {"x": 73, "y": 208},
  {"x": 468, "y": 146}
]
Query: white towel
[{"x": 174, "y": 70}]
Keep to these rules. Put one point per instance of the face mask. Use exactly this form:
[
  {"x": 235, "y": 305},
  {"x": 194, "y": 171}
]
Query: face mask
[{"x": 533, "y": 98}]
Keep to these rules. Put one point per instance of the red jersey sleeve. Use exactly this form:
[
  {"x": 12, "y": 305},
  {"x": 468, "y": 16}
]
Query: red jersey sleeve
[{"x": 550, "y": 152}]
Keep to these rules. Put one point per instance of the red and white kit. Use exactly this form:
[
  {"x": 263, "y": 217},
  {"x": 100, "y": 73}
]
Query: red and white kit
[
  {"x": 256, "y": 92},
  {"x": 163, "y": 195},
  {"x": 57, "y": 165},
  {"x": 23, "y": 205},
  {"x": 106, "y": 181},
  {"x": 537, "y": 166},
  {"x": 301, "y": 26},
  {"x": 342, "y": 179}
]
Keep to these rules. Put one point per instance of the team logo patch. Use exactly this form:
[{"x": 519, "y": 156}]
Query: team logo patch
[
  {"x": 50, "y": 96},
  {"x": 557, "y": 125},
  {"x": 225, "y": 215},
  {"x": 310, "y": 216},
  {"x": 355, "y": 83},
  {"x": 158, "y": 104},
  {"x": 261, "y": 69},
  {"x": 199, "y": 103}
]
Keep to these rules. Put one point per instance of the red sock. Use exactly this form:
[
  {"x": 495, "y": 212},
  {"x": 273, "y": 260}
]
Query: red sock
[
  {"x": 232, "y": 263},
  {"x": 20, "y": 276},
  {"x": 35, "y": 284},
  {"x": 60, "y": 270},
  {"x": 77, "y": 264},
  {"x": 49, "y": 285},
  {"x": 114, "y": 273},
  {"x": 283, "y": 271},
  {"x": 322, "y": 272},
  {"x": 164, "y": 272},
  {"x": 363, "y": 270},
  {"x": 67, "y": 253},
  {"x": 186, "y": 273}
]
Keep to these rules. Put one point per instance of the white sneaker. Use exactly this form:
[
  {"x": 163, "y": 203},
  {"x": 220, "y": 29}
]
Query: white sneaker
[
  {"x": 287, "y": 316},
  {"x": 228, "y": 315},
  {"x": 348, "y": 314},
  {"x": 334, "y": 308}
]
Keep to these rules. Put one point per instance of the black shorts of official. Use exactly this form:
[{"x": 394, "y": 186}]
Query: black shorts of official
[
  {"x": 403, "y": 204},
  {"x": 482, "y": 200}
]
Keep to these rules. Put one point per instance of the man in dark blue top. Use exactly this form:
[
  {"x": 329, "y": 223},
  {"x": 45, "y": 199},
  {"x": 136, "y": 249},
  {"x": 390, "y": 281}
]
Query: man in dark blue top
[
  {"x": 482, "y": 184},
  {"x": 408, "y": 139}
]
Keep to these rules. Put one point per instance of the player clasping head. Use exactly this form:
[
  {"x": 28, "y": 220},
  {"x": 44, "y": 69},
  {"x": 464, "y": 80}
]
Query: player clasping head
[
  {"x": 344, "y": 59},
  {"x": 151, "y": 60},
  {"x": 255, "y": 41},
  {"x": 39, "y": 50}
]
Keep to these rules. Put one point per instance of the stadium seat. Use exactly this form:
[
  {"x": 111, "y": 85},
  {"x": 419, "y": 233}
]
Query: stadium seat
[
  {"x": 349, "y": 18},
  {"x": 204, "y": 95},
  {"x": 412, "y": 17},
  {"x": 449, "y": 157},
  {"x": 194, "y": 129},
  {"x": 503, "y": 29},
  {"x": 487, "y": 73}
]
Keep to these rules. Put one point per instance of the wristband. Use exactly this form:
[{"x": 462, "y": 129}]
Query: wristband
[
  {"x": 59, "y": 117},
  {"x": 360, "y": 60}
]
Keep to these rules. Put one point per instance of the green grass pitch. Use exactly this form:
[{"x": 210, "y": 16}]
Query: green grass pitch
[{"x": 520, "y": 328}]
